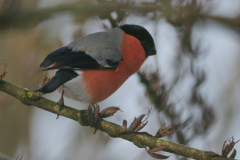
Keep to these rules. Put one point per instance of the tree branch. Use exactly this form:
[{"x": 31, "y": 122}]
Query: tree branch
[
  {"x": 140, "y": 139},
  {"x": 28, "y": 17}
]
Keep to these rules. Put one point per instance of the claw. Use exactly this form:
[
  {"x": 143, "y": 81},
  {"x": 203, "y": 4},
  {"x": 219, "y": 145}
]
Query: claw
[
  {"x": 93, "y": 115},
  {"x": 95, "y": 131}
]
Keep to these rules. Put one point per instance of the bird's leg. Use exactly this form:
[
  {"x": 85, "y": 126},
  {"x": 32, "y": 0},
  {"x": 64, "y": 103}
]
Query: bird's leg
[
  {"x": 96, "y": 113},
  {"x": 61, "y": 102},
  {"x": 93, "y": 116}
]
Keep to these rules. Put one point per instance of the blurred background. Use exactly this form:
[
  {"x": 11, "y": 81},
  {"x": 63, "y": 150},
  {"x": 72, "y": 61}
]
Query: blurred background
[{"x": 192, "y": 83}]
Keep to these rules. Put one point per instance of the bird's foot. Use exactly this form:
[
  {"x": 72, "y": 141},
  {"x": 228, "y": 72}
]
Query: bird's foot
[
  {"x": 95, "y": 114},
  {"x": 61, "y": 102}
]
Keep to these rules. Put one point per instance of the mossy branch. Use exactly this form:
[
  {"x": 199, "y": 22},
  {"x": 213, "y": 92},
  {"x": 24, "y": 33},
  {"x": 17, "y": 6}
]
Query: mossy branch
[{"x": 140, "y": 139}]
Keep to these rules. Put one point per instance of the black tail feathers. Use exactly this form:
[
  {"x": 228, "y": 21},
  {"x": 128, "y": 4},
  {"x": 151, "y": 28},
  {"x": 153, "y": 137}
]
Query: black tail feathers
[{"x": 61, "y": 77}]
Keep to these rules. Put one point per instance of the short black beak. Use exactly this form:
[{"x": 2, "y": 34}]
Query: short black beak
[{"x": 152, "y": 51}]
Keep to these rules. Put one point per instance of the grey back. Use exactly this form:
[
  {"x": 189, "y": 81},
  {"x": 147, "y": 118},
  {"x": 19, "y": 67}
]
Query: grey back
[{"x": 101, "y": 46}]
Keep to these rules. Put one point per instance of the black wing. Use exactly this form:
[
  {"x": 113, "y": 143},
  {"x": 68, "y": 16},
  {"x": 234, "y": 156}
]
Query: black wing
[
  {"x": 61, "y": 77},
  {"x": 65, "y": 58},
  {"x": 66, "y": 61}
]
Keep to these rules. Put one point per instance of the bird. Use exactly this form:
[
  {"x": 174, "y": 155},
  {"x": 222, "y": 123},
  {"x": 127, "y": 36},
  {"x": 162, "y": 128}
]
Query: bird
[{"x": 93, "y": 67}]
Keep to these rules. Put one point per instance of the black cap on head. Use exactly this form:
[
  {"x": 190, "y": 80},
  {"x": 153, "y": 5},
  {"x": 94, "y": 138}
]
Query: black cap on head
[{"x": 142, "y": 35}]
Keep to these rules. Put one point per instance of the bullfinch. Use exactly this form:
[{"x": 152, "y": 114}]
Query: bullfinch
[{"x": 92, "y": 68}]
